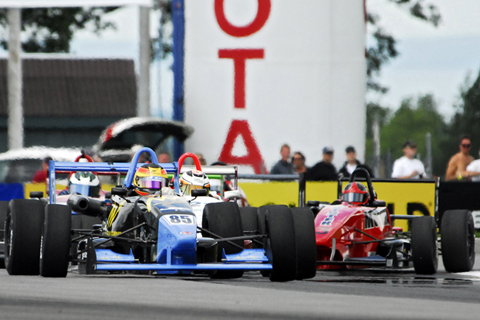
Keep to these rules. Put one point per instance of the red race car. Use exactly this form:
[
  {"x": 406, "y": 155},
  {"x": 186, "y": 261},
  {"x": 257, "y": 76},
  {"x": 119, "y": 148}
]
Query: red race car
[{"x": 357, "y": 231}]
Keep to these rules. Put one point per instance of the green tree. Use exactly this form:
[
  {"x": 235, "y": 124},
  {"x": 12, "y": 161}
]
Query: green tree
[
  {"x": 412, "y": 121},
  {"x": 466, "y": 119},
  {"x": 52, "y": 29}
]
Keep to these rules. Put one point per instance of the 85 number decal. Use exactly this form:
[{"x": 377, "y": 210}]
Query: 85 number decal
[{"x": 179, "y": 219}]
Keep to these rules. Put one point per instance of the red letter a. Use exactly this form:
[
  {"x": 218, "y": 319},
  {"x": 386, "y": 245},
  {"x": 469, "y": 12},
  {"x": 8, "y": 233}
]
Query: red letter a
[{"x": 253, "y": 157}]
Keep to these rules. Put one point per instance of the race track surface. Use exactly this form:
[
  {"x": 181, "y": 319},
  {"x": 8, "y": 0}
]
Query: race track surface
[{"x": 358, "y": 295}]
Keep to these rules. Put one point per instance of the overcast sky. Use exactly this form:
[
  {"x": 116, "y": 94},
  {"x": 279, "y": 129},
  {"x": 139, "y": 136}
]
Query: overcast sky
[{"x": 432, "y": 60}]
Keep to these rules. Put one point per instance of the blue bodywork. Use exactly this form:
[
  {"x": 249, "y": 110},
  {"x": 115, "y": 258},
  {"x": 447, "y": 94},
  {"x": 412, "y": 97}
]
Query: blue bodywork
[{"x": 176, "y": 246}]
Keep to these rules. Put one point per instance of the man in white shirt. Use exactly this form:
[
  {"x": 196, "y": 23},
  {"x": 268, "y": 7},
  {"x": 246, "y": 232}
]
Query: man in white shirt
[
  {"x": 474, "y": 169},
  {"x": 407, "y": 167}
]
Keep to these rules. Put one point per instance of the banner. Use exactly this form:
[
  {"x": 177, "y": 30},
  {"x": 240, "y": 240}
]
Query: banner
[{"x": 261, "y": 73}]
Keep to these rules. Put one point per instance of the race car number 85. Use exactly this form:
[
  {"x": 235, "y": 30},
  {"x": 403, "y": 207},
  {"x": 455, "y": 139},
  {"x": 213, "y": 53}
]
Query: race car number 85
[{"x": 176, "y": 219}]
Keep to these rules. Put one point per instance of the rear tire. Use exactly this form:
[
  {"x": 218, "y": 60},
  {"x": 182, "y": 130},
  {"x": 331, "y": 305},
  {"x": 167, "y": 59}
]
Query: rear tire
[
  {"x": 280, "y": 243},
  {"x": 55, "y": 241},
  {"x": 424, "y": 245},
  {"x": 250, "y": 224},
  {"x": 305, "y": 243},
  {"x": 262, "y": 229},
  {"x": 3, "y": 216},
  {"x": 458, "y": 240},
  {"x": 223, "y": 219},
  {"x": 23, "y": 229},
  {"x": 249, "y": 219}
]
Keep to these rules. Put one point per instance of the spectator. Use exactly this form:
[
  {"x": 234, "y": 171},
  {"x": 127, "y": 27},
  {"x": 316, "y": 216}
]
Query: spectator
[
  {"x": 352, "y": 163},
  {"x": 457, "y": 166},
  {"x": 298, "y": 161},
  {"x": 283, "y": 166},
  {"x": 201, "y": 158},
  {"x": 474, "y": 169},
  {"x": 323, "y": 170},
  {"x": 407, "y": 167},
  {"x": 163, "y": 157},
  {"x": 42, "y": 175}
]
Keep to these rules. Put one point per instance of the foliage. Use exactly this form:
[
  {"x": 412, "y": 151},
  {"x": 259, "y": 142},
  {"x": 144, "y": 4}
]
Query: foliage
[
  {"x": 165, "y": 45},
  {"x": 413, "y": 120},
  {"x": 384, "y": 48},
  {"x": 467, "y": 118},
  {"x": 52, "y": 29}
]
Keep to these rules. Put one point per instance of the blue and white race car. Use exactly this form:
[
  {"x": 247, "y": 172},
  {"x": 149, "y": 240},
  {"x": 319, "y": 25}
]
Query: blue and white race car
[{"x": 165, "y": 236}]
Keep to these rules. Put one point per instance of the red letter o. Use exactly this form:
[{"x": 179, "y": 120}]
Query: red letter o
[{"x": 262, "y": 16}]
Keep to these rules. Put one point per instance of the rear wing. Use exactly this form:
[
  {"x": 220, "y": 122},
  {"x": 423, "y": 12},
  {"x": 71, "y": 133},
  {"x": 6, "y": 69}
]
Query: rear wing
[{"x": 107, "y": 168}]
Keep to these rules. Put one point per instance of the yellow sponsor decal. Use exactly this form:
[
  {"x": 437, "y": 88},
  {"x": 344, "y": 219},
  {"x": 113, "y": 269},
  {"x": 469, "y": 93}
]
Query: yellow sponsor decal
[{"x": 114, "y": 212}]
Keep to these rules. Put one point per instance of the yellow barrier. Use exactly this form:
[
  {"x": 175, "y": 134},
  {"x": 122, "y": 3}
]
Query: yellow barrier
[{"x": 399, "y": 195}]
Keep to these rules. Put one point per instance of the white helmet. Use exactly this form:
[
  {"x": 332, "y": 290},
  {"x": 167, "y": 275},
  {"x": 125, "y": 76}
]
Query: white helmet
[
  {"x": 85, "y": 183},
  {"x": 193, "y": 179}
]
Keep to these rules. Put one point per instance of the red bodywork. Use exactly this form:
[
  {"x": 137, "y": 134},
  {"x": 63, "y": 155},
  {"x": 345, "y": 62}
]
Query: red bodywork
[{"x": 348, "y": 225}]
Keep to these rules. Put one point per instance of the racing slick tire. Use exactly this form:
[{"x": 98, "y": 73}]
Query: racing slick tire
[
  {"x": 261, "y": 229},
  {"x": 55, "y": 245},
  {"x": 458, "y": 240},
  {"x": 250, "y": 223},
  {"x": 249, "y": 219},
  {"x": 280, "y": 243},
  {"x": 3, "y": 216},
  {"x": 305, "y": 243},
  {"x": 424, "y": 245},
  {"x": 223, "y": 219},
  {"x": 23, "y": 229}
]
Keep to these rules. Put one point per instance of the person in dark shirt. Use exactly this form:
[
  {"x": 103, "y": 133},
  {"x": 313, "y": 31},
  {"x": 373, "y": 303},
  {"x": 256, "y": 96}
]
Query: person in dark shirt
[
  {"x": 283, "y": 166},
  {"x": 352, "y": 163},
  {"x": 323, "y": 170}
]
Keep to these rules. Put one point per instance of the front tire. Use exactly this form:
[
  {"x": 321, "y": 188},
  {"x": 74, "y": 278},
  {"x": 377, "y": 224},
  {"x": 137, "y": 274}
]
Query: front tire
[
  {"x": 23, "y": 229},
  {"x": 458, "y": 240},
  {"x": 223, "y": 219},
  {"x": 3, "y": 216},
  {"x": 305, "y": 243},
  {"x": 280, "y": 243},
  {"x": 55, "y": 241},
  {"x": 424, "y": 245}
]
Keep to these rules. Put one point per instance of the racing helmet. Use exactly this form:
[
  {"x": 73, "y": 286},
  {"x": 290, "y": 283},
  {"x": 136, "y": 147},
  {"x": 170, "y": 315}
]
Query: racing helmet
[
  {"x": 193, "y": 179},
  {"x": 85, "y": 183},
  {"x": 355, "y": 193},
  {"x": 149, "y": 179}
]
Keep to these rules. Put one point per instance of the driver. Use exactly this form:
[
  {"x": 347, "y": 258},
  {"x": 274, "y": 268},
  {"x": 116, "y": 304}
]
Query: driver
[
  {"x": 195, "y": 180},
  {"x": 83, "y": 182},
  {"x": 355, "y": 193},
  {"x": 149, "y": 179}
]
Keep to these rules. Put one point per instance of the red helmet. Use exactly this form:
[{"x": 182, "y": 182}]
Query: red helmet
[{"x": 355, "y": 193}]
